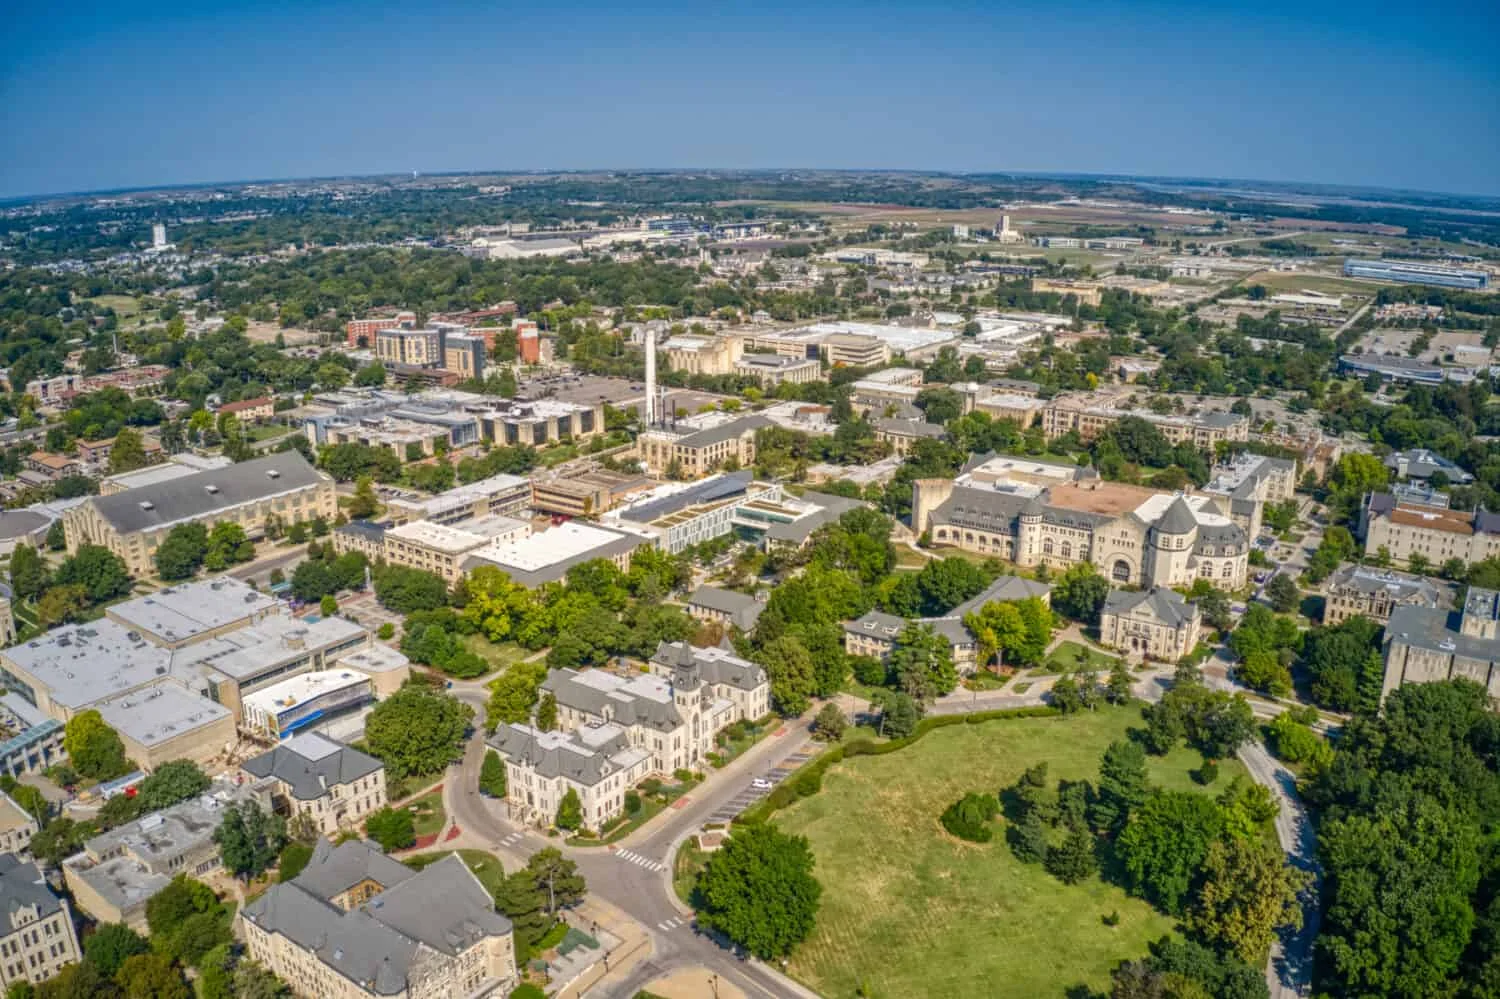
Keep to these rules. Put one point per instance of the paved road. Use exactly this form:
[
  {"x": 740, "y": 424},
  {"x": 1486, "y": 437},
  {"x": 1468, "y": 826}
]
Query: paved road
[
  {"x": 1289, "y": 972},
  {"x": 634, "y": 876}
]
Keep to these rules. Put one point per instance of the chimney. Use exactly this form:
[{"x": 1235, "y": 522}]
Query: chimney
[{"x": 651, "y": 414}]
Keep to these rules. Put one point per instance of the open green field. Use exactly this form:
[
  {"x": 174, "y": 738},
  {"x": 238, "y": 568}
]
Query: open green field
[
  {"x": 909, "y": 911},
  {"x": 1071, "y": 656},
  {"x": 501, "y": 656},
  {"x": 124, "y": 305},
  {"x": 427, "y": 815},
  {"x": 1283, "y": 282}
]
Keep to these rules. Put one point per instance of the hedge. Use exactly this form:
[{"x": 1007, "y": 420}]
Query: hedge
[{"x": 808, "y": 780}]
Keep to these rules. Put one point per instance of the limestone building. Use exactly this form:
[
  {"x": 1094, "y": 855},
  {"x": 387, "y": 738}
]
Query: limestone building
[
  {"x": 1136, "y": 536},
  {"x": 614, "y": 731},
  {"x": 1361, "y": 591},
  {"x": 333, "y": 786},
  {"x": 1152, "y": 624},
  {"x": 693, "y": 453},
  {"x": 1426, "y": 645},
  {"x": 1091, "y": 413},
  {"x": 1250, "y": 481},
  {"x": 875, "y": 633},
  {"x": 1405, "y": 527},
  {"x": 17, "y": 826},
  {"x": 355, "y": 923},
  {"x": 37, "y": 937},
  {"x": 133, "y": 524}
]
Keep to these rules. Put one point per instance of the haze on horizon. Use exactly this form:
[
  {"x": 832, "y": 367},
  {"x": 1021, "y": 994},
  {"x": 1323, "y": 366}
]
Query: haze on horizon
[{"x": 101, "y": 97}]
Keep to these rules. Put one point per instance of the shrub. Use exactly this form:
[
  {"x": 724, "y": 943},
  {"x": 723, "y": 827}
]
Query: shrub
[
  {"x": 1294, "y": 742},
  {"x": 387, "y": 632},
  {"x": 632, "y": 802},
  {"x": 970, "y": 817},
  {"x": 1207, "y": 773},
  {"x": 682, "y": 776}
]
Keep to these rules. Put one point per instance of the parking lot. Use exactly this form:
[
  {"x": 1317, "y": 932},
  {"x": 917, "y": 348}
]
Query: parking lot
[{"x": 751, "y": 794}]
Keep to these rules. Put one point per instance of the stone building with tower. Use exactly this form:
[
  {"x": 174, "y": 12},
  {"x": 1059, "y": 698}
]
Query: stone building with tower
[
  {"x": 1429, "y": 645},
  {"x": 613, "y": 732},
  {"x": 1135, "y": 536}
]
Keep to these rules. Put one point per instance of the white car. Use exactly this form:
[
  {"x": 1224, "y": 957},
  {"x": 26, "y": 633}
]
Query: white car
[{"x": 761, "y": 784}]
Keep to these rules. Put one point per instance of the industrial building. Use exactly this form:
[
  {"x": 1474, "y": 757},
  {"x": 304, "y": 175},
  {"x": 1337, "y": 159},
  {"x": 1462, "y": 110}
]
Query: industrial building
[{"x": 1412, "y": 272}]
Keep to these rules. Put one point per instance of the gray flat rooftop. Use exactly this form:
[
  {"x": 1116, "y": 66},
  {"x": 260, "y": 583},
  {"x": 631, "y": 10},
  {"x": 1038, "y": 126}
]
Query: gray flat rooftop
[
  {"x": 160, "y": 713},
  {"x": 182, "y": 613},
  {"x": 82, "y": 663}
]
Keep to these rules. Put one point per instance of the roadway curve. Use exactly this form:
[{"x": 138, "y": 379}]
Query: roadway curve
[{"x": 641, "y": 893}]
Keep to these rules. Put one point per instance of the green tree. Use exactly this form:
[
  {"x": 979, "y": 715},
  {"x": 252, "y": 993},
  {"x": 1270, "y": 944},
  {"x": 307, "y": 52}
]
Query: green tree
[
  {"x": 152, "y": 976},
  {"x": 971, "y": 817},
  {"x": 364, "y": 504},
  {"x": 60, "y": 604},
  {"x": 182, "y": 552},
  {"x": 172, "y": 782},
  {"x": 526, "y": 907},
  {"x": 899, "y": 715},
  {"x": 1029, "y": 838},
  {"x": 98, "y": 570},
  {"x": 569, "y": 812},
  {"x": 1164, "y": 843},
  {"x": 392, "y": 828},
  {"x": 1079, "y": 593},
  {"x": 327, "y": 605},
  {"x": 227, "y": 545},
  {"x": 1119, "y": 688},
  {"x": 546, "y": 712},
  {"x": 94, "y": 749},
  {"x": 1123, "y": 784},
  {"x": 492, "y": 775},
  {"x": 557, "y": 878},
  {"x": 1066, "y": 695},
  {"x": 922, "y": 662},
  {"x": 1074, "y": 860},
  {"x": 1247, "y": 896},
  {"x": 28, "y": 573},
  {"x": 830, "y": 723},
  {"x": 789, "y": 667},
  {"x": 128, "y": 452},
  {"x": 182, "y": 898},
  {"x": 759, "y": 891},
  {"x": 514, "y": 693},
  {"x": 372, "y": 375},
  {"x": 57, "y": 537},
  {"x": 249, "y": 839},
  {"x": 110, "y": 944},
  {"x": 417, "y": 730},
  {"x": 1283, "y": 593}
]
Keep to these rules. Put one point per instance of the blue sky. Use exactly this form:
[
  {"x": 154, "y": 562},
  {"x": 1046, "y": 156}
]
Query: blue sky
[{"x": 96, "y": 96}]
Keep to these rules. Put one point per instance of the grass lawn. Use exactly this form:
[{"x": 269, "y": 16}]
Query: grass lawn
[
  {"x": 910, "y": 911},
  {"x": 486, "y": 866},
  {"x": 501, "y": 656},
  {"x": 1071, "y": 656},
  {"x": 427, "y": 813},
  {"x": 686, "y": 867},
  {"x": 650, "y": 809},
  {"x": 124, "y": 305}
]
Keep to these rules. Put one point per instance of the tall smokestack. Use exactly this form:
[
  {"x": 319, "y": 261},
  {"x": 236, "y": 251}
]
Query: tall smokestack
[{"x": 651, "y": 415}]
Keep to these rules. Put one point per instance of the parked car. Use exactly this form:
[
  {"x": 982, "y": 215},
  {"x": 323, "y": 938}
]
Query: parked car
[{"x": 761, "y": 784}]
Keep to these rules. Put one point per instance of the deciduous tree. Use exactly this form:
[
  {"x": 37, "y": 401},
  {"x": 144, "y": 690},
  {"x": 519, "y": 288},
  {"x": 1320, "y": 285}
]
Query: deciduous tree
[{"x": 759, "y": 891}]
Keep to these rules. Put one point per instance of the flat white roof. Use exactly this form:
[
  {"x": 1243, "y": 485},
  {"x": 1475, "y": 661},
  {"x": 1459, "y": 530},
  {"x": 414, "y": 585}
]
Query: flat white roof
[
  {"x": 150, "y": 476},
  {"x": 301, "y": 689},
  {"x": 549, "y": 547},
  {"x": 181, "y": 613},
  {"x": 1152, "y": 509},
  {"x": 441, "y": 537},
  {"x": 898, "y": 338},
  {"x": 160, "y": 713}
]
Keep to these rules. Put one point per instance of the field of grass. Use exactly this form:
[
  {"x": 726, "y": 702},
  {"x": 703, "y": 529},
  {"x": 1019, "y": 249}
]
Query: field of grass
[
  {"x": 501, "y": 656},
  {"x": 1071, "y": 656},
  {"x": 909, "y": 911},
  {"x": 1293, "y": 282},
  {"x": 486, "y": 866},
  {"x": 124, "y": 305},
  {"x": 427, "y": 813}
]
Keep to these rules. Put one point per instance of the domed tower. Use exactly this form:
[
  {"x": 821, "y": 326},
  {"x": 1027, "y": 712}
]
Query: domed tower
[
  {"x": 1029, "y": 532},
  {"x": 1172, "y": 545}
]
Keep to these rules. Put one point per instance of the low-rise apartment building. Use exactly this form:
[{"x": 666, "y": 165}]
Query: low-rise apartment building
[
  {"x": 257, "y": 410},
  {"x": 1151, "y": 624},
  {"x": 320, "y": 781},
  {"x": 37, "y": 936},
  {"x": 356, "y": 924}
]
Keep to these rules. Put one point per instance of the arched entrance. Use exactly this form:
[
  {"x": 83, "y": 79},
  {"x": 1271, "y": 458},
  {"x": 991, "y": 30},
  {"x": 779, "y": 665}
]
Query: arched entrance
[{"x": 1120, "y": 571}]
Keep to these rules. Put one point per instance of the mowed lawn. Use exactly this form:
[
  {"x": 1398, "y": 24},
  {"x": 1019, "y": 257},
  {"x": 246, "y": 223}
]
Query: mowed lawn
[{"x": 909, "y": 911}]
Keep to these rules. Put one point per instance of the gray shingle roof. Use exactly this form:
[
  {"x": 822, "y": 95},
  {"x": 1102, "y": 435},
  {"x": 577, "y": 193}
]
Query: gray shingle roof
[
  {"x": 1178, "y": 519},
  {"x": 743, "y": 610},
  {"x": 311, "y": 763},
  {"x": 190, "y": 497},
  {"x": 22, "y": 887},
  {"x": 725, "y": 431},
  {"x": 1168, "y": 606},
  {"x": 1002, "y": 590},
  {"x": 335, "y": 869}
]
